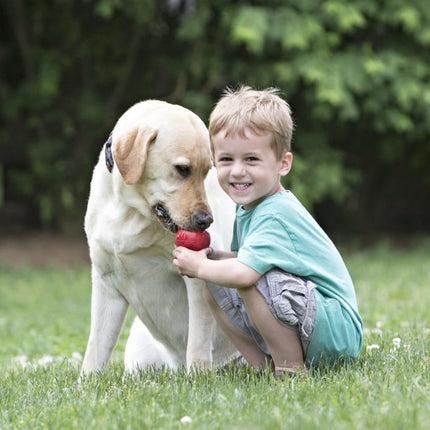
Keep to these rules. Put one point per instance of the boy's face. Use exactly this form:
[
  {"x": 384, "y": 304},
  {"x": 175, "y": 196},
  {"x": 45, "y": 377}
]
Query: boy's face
[{"x": 247, "y": 167}]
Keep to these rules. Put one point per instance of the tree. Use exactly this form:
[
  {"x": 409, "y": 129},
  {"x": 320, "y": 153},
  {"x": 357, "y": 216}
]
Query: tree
[{"x": 356, "y": 74}]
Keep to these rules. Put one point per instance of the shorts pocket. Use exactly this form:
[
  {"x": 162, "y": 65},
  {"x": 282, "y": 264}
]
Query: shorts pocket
[
  {"x": 293, "y": 303},
  {"x": 289, "y": 304}
]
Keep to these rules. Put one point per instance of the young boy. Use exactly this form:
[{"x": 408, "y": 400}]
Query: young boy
[{"x": 283, "y": 295}]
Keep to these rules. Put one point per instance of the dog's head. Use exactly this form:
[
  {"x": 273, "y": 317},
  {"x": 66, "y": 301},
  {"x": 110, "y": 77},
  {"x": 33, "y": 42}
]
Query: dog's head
[{"x": 162, "y": 153}]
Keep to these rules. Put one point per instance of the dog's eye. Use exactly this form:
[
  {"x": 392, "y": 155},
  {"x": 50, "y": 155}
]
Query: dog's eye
[{"x": 184, "y": 171}]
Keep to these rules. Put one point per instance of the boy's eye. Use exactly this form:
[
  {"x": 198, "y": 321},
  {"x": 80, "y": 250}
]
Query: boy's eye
[
  {"x": 251, "y": 159},
  {"x": 224, "y": 159}
]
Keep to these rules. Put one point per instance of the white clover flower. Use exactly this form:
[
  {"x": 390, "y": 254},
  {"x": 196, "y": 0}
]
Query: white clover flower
[
  {"x": 45, "y": 360},
  {"x": 372, "y": 347},
  {"x": 396, "y": 342},
  {"x": 186, "y": 419},
  {"x": 377, "y": 331},
  {"x": 21, "y": 360},
  {"x": 379, "y": 324},
  {"x": 77, "y": 356},
  {"x": 75, "y": 359}
]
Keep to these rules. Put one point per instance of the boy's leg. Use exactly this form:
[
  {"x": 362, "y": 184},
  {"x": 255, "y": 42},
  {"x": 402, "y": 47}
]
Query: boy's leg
[
  {"x": 245, "y": 344},
  {"x": 283, "y": 342}
]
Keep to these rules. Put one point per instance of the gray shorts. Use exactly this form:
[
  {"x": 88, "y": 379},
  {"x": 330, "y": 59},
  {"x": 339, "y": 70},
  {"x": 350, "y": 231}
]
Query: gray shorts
[{"x": 290, "y": 299}]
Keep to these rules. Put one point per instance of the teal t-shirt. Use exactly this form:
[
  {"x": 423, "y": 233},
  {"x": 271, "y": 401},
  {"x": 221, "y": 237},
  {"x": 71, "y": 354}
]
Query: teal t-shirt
[{"x": 280, "y": 232}]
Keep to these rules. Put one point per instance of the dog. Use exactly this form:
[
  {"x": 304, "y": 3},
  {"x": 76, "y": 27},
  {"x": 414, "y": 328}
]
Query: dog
[{"x": 154, "y": 176}]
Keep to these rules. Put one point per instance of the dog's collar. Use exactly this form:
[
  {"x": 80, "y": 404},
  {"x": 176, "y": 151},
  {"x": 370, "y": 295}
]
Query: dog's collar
[{"x": 108, "y": 154}]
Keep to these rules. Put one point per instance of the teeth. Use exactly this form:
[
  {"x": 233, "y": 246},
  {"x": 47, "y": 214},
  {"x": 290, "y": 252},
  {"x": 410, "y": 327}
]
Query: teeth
[{"x": 241, "y": 186}]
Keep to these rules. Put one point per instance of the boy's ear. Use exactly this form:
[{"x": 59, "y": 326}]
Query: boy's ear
[{"x": 286, "y": 163}]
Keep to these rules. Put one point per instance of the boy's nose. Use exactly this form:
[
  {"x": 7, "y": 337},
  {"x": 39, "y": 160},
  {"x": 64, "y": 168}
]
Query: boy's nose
[{"x": 237, "y": 169}]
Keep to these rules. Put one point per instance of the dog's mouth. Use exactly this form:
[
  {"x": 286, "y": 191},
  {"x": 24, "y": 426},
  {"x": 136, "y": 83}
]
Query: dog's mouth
[{"x": 164, "y": 218}]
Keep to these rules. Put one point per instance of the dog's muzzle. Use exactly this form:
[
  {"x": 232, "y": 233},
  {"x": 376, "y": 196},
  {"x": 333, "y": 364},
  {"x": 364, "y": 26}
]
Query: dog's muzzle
[
  {"x": 164, "y": 217},
  {"x": 200, "y": 221}
]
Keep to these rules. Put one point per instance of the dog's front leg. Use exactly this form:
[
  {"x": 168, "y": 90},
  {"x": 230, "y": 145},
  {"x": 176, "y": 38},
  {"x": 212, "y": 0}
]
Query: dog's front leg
[
  {"x": 201, "y": 326},
  {"x": 108, "y": 311}
]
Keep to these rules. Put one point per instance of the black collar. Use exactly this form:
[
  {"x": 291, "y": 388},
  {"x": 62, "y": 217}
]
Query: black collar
[{"x": 108, "y": 154}]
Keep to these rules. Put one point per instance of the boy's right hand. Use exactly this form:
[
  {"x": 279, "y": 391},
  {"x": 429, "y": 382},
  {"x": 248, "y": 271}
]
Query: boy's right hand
[{"x": 188, "y": 261}]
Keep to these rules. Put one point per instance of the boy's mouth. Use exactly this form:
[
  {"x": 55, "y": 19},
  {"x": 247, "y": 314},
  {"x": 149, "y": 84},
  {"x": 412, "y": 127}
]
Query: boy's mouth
[{"x": 240, "y": 187}]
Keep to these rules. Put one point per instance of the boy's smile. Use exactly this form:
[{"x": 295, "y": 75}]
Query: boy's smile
[
  {"x": 247, "y": 167},
  {"x": 241, "y": 187}
]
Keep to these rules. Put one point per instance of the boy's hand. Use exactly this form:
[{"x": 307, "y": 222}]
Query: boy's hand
[{"x": 188, "y": 262}]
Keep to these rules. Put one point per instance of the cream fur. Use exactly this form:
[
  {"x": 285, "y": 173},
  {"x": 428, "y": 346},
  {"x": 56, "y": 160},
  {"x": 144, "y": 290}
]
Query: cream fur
[{"x": 131, "y": 251}]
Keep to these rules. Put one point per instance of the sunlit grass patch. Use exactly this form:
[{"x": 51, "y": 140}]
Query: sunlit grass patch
[{"x": 44, "y": 324}]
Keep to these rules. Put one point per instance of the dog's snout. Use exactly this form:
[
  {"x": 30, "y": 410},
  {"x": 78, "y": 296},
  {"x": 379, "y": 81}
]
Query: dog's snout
[{"x": 202, "y": 220}]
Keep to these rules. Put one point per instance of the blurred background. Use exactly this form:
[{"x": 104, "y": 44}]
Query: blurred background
[{"x": 356, "y": 74}]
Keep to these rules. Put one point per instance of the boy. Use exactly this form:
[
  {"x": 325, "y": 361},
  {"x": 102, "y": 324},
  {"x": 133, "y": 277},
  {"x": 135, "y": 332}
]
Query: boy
[{"x": 283, "y": 295}]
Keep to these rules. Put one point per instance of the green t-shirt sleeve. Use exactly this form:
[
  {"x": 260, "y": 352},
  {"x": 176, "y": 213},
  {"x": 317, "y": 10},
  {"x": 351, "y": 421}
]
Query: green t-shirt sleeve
[{"x": 270, "y": 245}]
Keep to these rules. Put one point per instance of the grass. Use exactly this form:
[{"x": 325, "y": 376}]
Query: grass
[{"x": 44, "y": 322}]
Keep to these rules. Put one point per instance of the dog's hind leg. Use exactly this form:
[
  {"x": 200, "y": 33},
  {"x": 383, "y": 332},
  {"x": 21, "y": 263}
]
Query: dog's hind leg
[
  {"x": 201, "y": 326},
  {"x": 143, "y": 351},
  {"x": 108, "y": 311}
]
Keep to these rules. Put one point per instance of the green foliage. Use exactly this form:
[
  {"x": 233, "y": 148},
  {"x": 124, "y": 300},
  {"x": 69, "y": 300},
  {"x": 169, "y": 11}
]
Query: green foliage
[{"x": 356, "y": 74}]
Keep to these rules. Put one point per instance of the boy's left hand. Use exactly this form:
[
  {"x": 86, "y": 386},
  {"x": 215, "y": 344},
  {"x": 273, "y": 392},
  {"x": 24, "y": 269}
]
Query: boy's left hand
[{"x": 188, "y": 262}]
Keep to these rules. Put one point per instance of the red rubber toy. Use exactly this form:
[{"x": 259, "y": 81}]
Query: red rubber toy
[{"x": 194, "y": 240}]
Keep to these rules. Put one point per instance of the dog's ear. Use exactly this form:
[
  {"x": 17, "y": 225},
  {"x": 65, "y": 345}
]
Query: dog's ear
[{"x": 130, "y": 151}]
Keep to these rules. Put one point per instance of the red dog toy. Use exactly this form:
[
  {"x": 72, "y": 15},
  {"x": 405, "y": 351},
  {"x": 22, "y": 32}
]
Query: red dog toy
[{"x": 194, "y": 240}]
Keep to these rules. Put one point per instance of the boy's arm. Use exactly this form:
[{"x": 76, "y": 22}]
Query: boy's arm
[
  {"x": 228, "y": 272},
  {"x": 220, "y": 255}
]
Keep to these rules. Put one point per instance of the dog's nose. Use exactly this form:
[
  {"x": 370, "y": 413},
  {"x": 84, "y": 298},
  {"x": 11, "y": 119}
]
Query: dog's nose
[{"x": 202, "y": 220}]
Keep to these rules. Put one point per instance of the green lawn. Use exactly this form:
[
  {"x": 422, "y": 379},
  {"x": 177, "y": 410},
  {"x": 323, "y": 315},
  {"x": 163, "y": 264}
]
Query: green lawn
[{"x": 44, "y": 323}]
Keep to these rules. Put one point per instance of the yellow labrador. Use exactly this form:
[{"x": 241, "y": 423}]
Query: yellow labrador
[{"x": 153, "y": 176}]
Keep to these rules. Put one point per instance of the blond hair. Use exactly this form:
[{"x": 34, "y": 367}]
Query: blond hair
[{"x": 258, "y": 111}]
